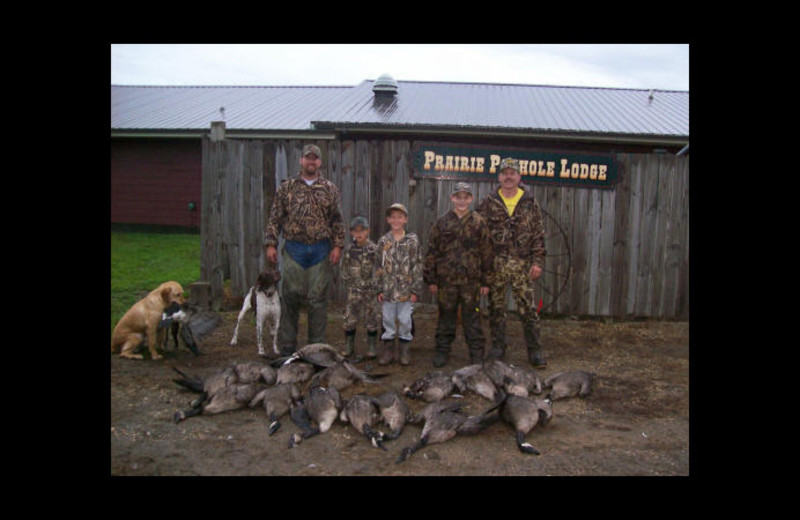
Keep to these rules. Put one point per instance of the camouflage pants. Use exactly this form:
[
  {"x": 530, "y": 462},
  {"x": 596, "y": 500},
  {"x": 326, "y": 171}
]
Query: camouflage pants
[
  {"x": 512, "y": 273},
  {"x": 364, "y": 305},
  {"x": 298, "y": 287},
  {"x": 449, "y": 298}
]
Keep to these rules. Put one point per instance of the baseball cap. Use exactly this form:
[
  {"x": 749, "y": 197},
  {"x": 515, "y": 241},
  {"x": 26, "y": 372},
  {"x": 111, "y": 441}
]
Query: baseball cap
[
  {"x": 509, "y": 162},
  {"x": 311, "y": 148},
  {"x": 359, "y": 221},
  {"x": 398, "y": 206},
  {"x": 462, "y": 186}
]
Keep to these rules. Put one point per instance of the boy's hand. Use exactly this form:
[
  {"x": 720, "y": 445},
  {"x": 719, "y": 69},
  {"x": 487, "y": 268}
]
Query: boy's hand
[{"x": 380, "y": 297}]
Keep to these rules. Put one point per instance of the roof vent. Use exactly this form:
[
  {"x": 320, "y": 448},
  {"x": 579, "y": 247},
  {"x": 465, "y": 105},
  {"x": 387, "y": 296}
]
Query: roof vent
[{"x": 385, "y": 84}]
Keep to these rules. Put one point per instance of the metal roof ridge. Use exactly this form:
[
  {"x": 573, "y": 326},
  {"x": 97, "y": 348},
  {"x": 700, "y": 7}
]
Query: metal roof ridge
[
  {"x": 642, "y": 89},
  {"x": 575, "y": 87}
]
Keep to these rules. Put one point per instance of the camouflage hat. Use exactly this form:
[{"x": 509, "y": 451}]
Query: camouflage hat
[
  {"x": 397, "y": 206},
  {"x": 311, "y": 148},
  {"x": 462, "y": 186},
  {"x": 508, "y": 162},
  {"x": 359, "y": 221}
]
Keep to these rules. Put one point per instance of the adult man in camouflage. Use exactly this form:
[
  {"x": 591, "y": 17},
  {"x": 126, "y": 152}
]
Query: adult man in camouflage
[
  {"x": 517, "y": 231},
  {"x": 307, "y": 210},
  {"x": 457, "y": 269}
]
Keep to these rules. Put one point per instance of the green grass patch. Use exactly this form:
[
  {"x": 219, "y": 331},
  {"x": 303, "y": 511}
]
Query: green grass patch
[{"x": 140, "y": 262}]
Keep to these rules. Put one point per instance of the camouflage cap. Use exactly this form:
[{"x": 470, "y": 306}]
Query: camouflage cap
[
  {"x": 462, "y": 186},
  {"x": 509, "y": 162},
  {"x": 396, "y": 206},
  {"x": 311, "y": 148},
  {"x": 359, "y": 221}
]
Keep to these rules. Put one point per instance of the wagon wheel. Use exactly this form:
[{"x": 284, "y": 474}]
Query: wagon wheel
[{"x": 558, "y": 264}]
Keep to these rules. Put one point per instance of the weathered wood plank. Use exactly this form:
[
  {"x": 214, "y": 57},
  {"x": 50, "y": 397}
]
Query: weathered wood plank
[{"x": 620, "y": 276}]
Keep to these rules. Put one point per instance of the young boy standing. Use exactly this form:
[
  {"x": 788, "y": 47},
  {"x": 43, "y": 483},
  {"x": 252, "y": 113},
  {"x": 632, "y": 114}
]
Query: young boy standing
[
  {"x": 358, "y": 264},
  {"x": 399, "y": 284},
  {"x": 457, "y": 269}
]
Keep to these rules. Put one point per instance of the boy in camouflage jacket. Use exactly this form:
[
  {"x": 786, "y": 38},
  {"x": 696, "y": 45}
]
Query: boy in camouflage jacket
[
  {"x": 457, "y": 269},
  {"x": 399, "y": 284},
  {"x": 358, "y": 266}
]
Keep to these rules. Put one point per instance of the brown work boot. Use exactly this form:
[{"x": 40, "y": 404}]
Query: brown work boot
[
  {"x": 441, "y": 358},
  {"x": 386, "y": 352},
  {"x": 372, "y": 338},
  {"x": 405, "y": 355}
]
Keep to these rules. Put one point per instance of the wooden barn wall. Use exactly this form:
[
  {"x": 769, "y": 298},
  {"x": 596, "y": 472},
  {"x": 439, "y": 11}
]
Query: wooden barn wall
[
  {"x": 154, "y": 180},
  {"x": 629, "y": 246}
]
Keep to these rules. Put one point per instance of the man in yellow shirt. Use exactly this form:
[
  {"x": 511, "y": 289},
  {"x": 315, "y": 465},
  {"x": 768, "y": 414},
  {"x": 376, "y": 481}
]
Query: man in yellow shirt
[{"x": 517, "y": 230}]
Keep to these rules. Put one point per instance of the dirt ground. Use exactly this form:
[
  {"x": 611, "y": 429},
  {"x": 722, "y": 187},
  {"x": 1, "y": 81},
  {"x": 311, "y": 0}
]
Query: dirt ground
[{"x": 635, "y": 423}]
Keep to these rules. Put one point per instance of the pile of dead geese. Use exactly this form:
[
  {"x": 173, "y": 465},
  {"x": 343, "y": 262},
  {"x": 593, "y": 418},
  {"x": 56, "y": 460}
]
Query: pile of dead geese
[{"x": 307, "y": 386}]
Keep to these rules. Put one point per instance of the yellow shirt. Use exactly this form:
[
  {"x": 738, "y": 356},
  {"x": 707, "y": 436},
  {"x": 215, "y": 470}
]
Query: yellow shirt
[{"x": 511, "y": 203}]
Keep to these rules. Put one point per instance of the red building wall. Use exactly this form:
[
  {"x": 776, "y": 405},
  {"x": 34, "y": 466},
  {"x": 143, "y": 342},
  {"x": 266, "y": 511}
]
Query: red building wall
[{"x": 153, "y": 181}]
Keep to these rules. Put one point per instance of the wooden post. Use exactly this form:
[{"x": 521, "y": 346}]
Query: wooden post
[
  {"x": 201, "y": 294},
  {"x": 217, "y": 131}
]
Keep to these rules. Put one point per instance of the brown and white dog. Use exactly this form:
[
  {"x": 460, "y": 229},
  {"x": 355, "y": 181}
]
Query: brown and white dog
[
  {"x": 142, "y": 319},
  {"x": 263, "y": 299}
]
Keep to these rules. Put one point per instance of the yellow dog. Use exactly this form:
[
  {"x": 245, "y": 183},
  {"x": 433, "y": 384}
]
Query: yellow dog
[{"x": 142, "y": 320}]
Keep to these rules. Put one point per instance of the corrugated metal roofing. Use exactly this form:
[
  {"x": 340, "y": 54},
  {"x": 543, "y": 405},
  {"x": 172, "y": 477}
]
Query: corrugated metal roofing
[
  {"x": 194, "y": 108},
  {"x": 497, "y": 107}
]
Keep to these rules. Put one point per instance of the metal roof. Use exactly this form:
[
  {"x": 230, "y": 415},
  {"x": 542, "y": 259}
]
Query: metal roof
[
  {"x": 418, "y": 105},
  {"x": 245, "y": 108}
]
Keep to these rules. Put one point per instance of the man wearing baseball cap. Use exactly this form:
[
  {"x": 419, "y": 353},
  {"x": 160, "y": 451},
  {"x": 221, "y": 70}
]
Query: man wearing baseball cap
[
  {"x": 307, "y": 211},
  {"x": 517, "y": 229}
]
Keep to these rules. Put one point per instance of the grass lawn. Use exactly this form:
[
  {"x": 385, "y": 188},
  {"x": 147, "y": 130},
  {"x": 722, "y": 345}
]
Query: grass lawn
[{"x": 141, "y": 261}]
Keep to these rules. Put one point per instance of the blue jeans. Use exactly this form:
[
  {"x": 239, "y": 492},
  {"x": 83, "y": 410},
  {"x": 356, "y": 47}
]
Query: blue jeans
[{"x": 399, "y": 312}]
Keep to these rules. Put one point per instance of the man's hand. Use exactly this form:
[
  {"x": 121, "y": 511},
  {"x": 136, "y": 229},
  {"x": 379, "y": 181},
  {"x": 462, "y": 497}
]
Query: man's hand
[
  {"x": 536, "y": 272},
  {"x": 336, "y": 254},
  {"x": 272, "y": 254}
]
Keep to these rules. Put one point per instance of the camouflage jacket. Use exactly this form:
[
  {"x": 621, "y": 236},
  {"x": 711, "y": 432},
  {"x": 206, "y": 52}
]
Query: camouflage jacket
[
  {"x": 520, "y": 235},
  {"x": 358, "y": 266},
  {"x": 306, "y": 214},
  {"x": 399, "y": 272},
  {"x": 459, "y": 251}
]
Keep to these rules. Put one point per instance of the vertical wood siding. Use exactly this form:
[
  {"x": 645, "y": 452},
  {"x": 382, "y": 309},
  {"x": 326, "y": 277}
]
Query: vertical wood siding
[{"x": 629, "y": 247}]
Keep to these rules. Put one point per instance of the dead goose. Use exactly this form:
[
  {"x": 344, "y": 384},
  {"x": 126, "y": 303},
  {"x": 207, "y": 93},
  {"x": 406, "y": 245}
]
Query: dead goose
[
  {"x": 318, "y": 354},
  {"x": 341, "y": 375},
  {"x": 431, "y": 387},
  {"x": 513, "y": 379},
  {"x": 254, "y": 372},
  {"x": 474, "y": 379},
  {"x": 196, "y": 324},
  {"x": 395, "y": 413},
  {"x": 569, "y": 384},
  {"x": 231, "y": 397},
  {"x": 445, "y": 420},
  {"x": 277, "y": 401},
  {"x": 230, "y": 388},
  {"x": 524, "y": 413},
  {"x": 362, "y": 413},
  {"x": 322, "y": 406},
  {"x": 298, "y": 372},
  {"x": 209, "y": 385}
]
